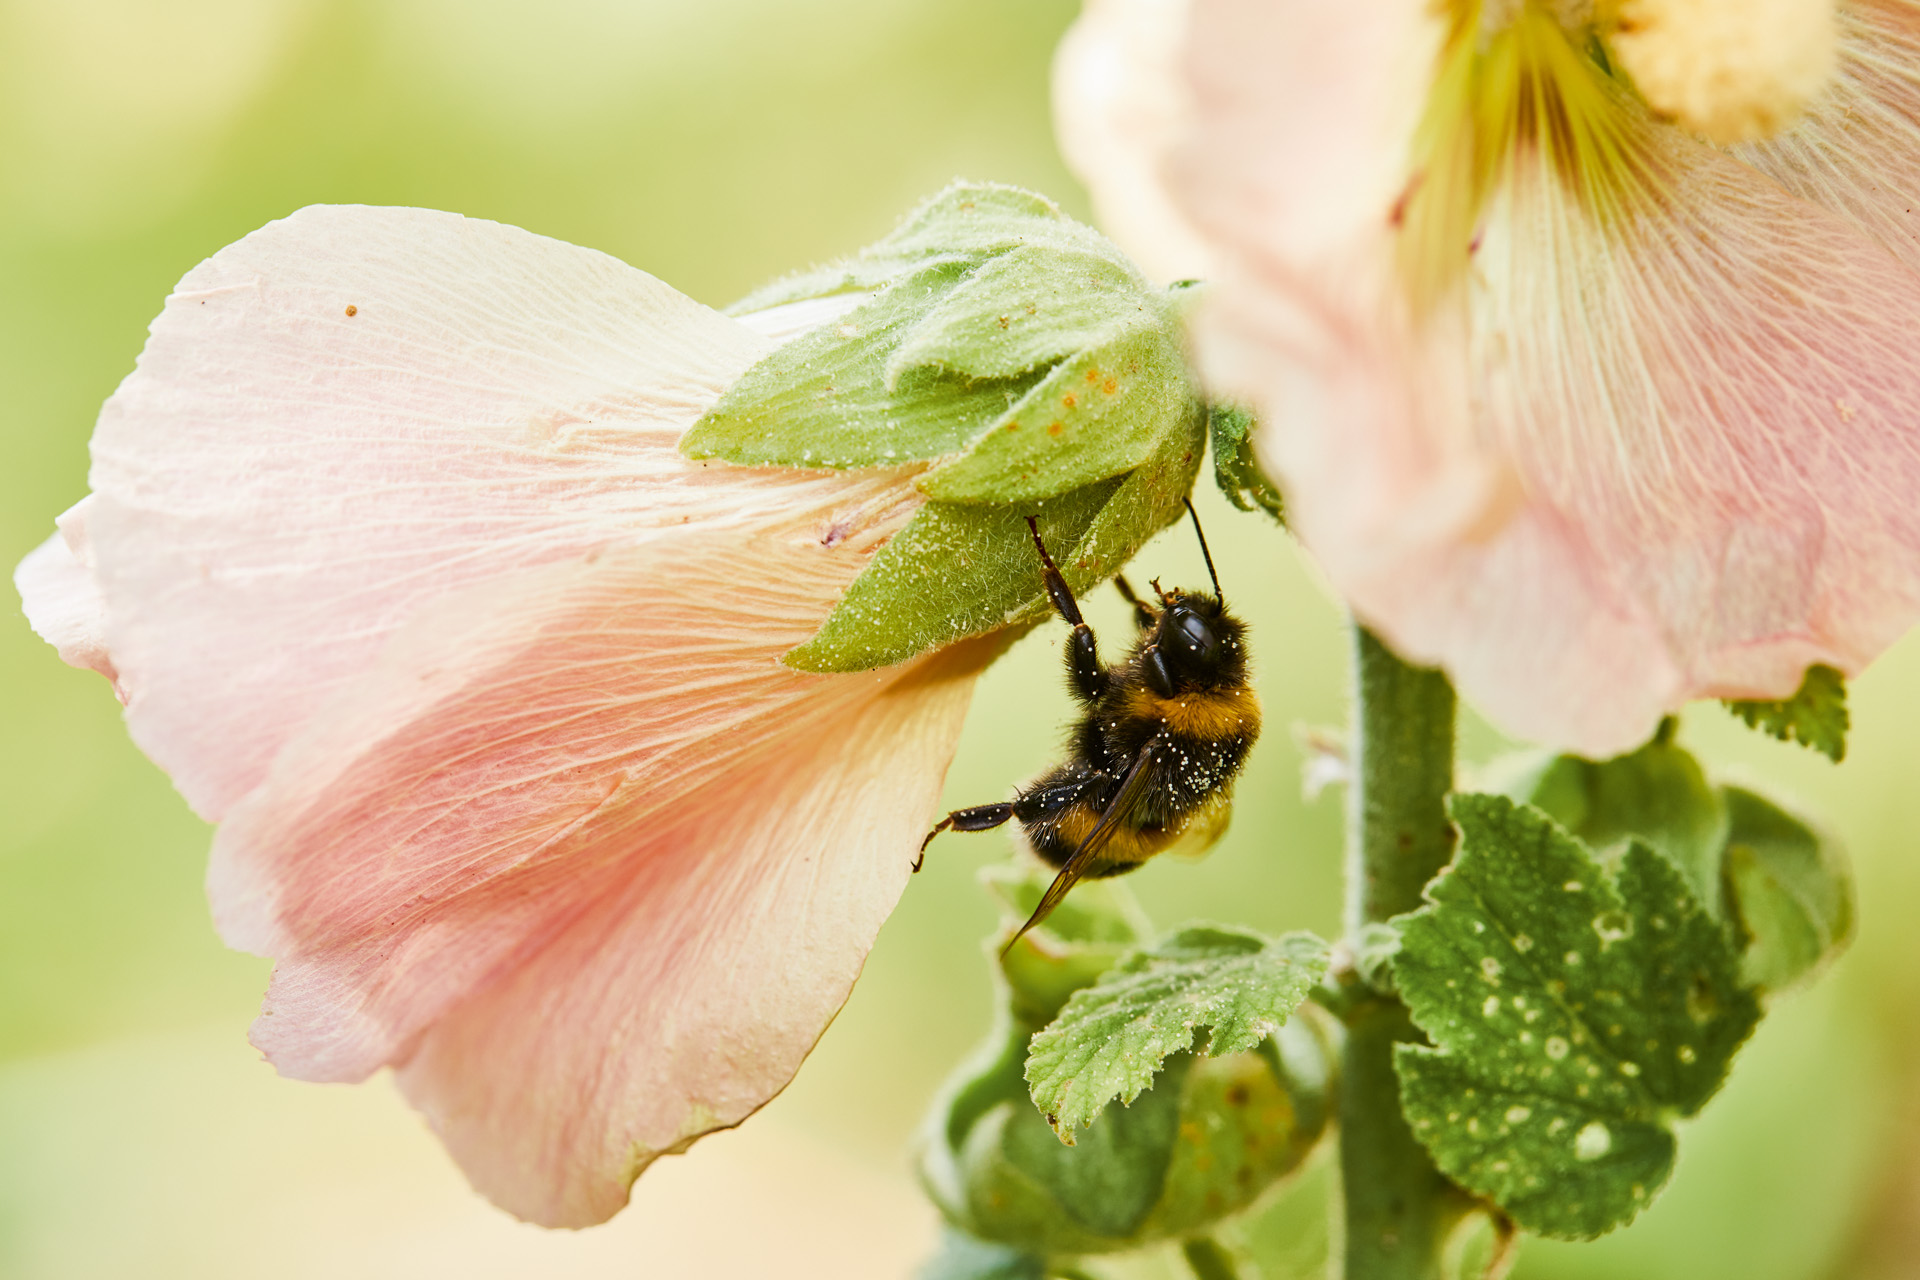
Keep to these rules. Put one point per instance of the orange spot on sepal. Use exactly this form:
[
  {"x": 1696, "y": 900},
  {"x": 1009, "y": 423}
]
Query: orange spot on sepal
[
  {"x": 1055, "y": 427},
  {"x": 1069, "y": 400}
]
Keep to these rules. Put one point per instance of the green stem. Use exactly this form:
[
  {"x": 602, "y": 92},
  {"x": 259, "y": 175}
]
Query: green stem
[{"x": 1398, "y": 1207}]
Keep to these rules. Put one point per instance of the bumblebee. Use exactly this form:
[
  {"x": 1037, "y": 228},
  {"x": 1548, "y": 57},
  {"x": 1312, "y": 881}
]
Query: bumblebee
[{"x": 1161, "y": 737}]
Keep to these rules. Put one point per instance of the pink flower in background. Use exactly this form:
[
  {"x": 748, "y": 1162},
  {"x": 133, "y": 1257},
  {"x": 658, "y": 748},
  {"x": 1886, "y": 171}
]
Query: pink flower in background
[
  {"x": 394, "y": 563},
  {"x": 1596, "y": 414}
]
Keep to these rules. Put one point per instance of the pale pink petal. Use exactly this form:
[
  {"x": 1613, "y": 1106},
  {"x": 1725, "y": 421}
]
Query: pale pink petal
[
  {"x": 280, "y": 483},
  {"x": 690, "y": 991},
  {"x": 1666, "y": 457},
  {"x": 607, "y": 749},
  {"x": 1120, "y": 109},
  {"x": 61, "y": 600}
]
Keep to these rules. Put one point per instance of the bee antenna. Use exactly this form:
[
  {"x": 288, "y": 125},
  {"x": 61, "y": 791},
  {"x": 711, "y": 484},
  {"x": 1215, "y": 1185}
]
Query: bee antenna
[{"x": 1205, "y": 554}]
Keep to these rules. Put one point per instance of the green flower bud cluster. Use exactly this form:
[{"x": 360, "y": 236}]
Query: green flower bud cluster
[
  {"x": 1014, "y": 363},
  {"x": 1208, "y": 1139}
]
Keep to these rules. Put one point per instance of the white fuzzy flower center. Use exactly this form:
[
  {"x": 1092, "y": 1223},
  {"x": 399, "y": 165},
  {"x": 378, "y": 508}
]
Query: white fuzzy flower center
[{"x": 1729, "y": 70}]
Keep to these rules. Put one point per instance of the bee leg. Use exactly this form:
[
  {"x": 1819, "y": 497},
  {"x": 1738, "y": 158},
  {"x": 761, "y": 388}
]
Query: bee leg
[
  {"x": 1083, "y": 656},
  {"x": 982, "y": 817},
  {"x": 1143, "y": 616}
]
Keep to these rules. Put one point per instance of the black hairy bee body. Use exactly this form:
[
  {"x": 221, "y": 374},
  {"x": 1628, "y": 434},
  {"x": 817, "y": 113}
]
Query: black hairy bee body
[{"x": 1161, "y": 736}]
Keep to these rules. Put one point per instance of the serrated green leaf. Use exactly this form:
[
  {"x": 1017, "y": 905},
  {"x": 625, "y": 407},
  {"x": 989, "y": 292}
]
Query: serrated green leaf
[
  {"x": 1658, "y": 793},
  {"x": 1815, "y": 716},
  {"x": 1026, "y": 309},
  {"x": 1790, "y": 889},
  {"x": 1096, "y": 415},
  {"x": 956, "y": 570},
  {"x": 1235, "y": 469},
  {"x": 1112, "y": 1037},
  {"x": 825, "y": 400},
  {"x": 962, "y": 1257},
  {"x": 1574, "y": 1014}
]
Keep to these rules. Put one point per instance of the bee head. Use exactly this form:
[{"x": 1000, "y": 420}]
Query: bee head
[{"x": 1198, "y": 643}]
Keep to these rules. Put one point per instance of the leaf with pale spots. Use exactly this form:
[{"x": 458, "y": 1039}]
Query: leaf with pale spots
[
  {"x": 1112, "y": 1037},
  {"x": 1815, "y": 716},
  {"x": 1574, "y": 1014}
]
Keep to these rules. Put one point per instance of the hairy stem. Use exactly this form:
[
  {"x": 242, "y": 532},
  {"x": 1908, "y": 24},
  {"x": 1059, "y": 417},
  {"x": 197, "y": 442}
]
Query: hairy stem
[{"x": 1398, "y": 1207}]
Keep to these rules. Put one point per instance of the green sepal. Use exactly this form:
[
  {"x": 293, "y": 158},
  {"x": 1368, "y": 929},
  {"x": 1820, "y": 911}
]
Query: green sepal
[
  {"x": 960, "y": 569},
  {"x": 1235, "y": 468},
  {"x": 825, "y": 399},
  {"x": 967, "y": 222},
  {"x": 1658, "y": 793},
  {"x": 1098, "y": 414},
  {"x": 1028, "y": 308},
  {"x": 1790, "y": 888},
  {"x": 1112, "y": 1037},
  {"x": 1022, "y": 366},
  {"x": 1815, "y": 716},
  {"x": 956, "y": 570},
  {"x": 1574, "y": 1013}
]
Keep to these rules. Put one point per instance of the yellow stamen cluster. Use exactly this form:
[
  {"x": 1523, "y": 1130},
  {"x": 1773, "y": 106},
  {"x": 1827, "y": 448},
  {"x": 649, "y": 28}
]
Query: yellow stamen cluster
[{"x": 1729, "y": 70}]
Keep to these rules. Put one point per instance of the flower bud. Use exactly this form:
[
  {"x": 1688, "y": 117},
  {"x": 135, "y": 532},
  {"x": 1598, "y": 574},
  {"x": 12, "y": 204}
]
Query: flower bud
[
  {"x": 1205, "y": 1142},
  {"x": 1017, "y": 364}
]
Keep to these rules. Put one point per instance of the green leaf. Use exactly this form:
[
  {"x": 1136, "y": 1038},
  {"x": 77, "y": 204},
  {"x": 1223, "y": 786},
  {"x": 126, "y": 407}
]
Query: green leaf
[
  {"x": 1112, "y": 1037},
  {"x": 1790, "y": 889},
  {"x": 1574, "y": 1013},
  {"x": 1815, "y": 716},
  {"x": 961, "y": 1257},
  {"x": 1659, "y": 794},
  {"x": 1235, "y": 469}
]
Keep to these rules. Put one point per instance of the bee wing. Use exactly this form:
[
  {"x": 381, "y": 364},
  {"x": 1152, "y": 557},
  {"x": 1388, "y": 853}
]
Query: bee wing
[{"x": 1132, "y": 786}]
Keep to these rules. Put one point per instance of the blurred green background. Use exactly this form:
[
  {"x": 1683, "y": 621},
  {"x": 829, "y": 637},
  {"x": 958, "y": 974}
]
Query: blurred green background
[{"x": 713, "y": 144}]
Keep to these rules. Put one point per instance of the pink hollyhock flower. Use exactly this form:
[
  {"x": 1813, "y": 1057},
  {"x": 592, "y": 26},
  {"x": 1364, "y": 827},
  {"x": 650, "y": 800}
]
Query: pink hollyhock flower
[
  {"x": 394, "y": 563},
  {"x": 1596, "y": 413}
]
